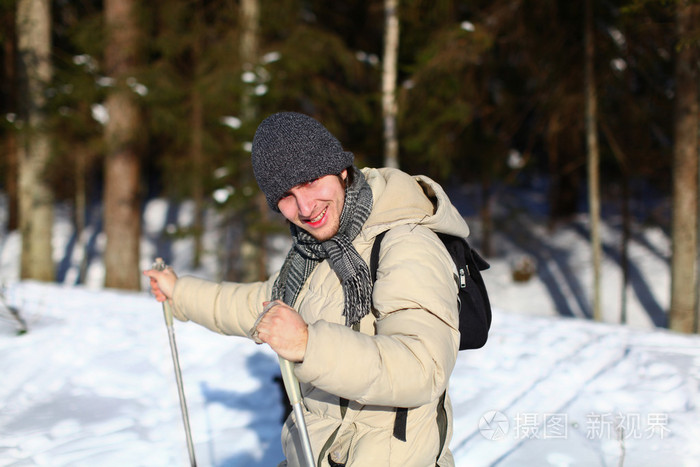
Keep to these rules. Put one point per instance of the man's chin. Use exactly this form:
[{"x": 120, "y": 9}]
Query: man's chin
[{"x": 322, "y": 235}]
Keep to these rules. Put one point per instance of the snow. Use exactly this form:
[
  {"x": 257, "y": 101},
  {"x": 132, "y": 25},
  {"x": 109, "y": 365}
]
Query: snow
[{"x": 92, "y": 382}]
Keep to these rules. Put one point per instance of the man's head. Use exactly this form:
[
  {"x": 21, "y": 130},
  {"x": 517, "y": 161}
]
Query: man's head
[
  {"x": 301, "y": 168},
  {"x": 290, "y": 148}
]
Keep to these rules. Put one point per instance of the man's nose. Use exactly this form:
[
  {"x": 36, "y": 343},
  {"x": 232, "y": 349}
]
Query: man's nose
[{"x": 304, "y": 204}]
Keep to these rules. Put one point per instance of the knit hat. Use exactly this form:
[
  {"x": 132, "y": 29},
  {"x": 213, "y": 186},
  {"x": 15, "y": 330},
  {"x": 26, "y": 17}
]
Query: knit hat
[{"x": 290, "y": 148}]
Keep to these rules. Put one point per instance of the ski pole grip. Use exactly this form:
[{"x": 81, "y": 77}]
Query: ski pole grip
[
  {"x": 159, "y": 265},
  {"x": 291, "y": 384}
]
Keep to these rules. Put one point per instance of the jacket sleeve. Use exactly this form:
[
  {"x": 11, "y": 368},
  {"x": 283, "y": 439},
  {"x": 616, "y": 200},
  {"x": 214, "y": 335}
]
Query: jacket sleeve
[
  {"x": 409, "y": 360},
  {"x": 227, "y": 308}
]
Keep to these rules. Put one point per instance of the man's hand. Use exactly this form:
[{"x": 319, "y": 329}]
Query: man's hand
[
  {"x": 285, "y": 331},
  {"x": 162, "y": 283}
]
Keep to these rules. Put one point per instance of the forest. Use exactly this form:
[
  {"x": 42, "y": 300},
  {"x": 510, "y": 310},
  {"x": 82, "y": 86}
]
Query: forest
[{"x": 114, "y": 102}]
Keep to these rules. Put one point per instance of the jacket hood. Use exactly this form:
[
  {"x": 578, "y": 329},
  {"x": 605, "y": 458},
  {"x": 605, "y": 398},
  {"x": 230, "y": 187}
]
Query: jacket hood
[{"x": 400, "y": 198}]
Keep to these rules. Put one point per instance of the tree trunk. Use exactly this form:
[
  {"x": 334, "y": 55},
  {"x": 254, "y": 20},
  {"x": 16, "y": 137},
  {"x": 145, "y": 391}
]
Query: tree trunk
[
  {"x": 197, "y": 155},
  {"x": 9, "y": 92},
  {"x": 624, "y": 253},
  {"x": 253, "y": 253},
  {"x": 626, "y": 217},
  {"x": 564, "y": 178},
  {"x": 389, "y": 73},
  {"x": 593, "y": 158},
  {"x": 11, "y": 176},
  {"x": 122, "y": 218},
  {"x": 685, "y": 175},
  {"x": 486, "y": 216},
  {"x": 552, "y": 141},
  {"x": 197, "y": 136},
  {"x": 81, "y": 205},
  {"x": 35, "y": 193},
  {"x": 249, "y": 50}
]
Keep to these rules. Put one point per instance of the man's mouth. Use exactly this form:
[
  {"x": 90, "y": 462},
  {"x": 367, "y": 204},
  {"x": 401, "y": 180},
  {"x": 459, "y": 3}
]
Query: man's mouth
[{"x": 313, "y": 222}]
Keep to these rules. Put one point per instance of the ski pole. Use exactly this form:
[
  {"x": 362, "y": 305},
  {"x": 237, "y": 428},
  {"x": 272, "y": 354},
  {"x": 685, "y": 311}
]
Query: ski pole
[
  {"x": 159, "y": 265},
  {"x": 291, "y": 385}
]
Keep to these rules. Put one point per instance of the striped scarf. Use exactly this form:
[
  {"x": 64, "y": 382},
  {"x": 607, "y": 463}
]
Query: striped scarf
[{"x": 307, "y": 252}]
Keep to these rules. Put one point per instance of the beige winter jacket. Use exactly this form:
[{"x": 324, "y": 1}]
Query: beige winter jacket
[{"x": 404, "y": 352}]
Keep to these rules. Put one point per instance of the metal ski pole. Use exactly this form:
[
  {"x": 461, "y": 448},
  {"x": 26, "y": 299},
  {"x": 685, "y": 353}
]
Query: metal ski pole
[
  {"x": 291, "y": 385},
  {"x": 159, "y": 265}
]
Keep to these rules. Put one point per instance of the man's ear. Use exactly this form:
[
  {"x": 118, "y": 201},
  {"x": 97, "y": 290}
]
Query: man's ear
[{"x": 343, "y": 177}]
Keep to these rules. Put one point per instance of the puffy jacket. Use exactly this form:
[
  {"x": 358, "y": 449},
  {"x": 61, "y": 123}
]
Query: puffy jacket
[{"x": 404, "y": 352}]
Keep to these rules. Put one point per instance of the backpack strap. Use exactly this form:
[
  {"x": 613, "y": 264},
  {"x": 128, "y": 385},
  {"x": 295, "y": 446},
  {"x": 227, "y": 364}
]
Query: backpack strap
[
  {"x": 329, "y": 442},
  {"x": 442, "y": 424},
  {"x": 400, "y": 423},
  {"x": 374, "y": 257}
]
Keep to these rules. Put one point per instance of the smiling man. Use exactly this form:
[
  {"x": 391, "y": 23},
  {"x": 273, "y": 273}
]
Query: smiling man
[{"x": 361, "y": 348}]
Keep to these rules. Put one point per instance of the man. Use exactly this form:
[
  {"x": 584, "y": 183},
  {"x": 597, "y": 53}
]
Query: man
[{"x": 360, "y": 348}]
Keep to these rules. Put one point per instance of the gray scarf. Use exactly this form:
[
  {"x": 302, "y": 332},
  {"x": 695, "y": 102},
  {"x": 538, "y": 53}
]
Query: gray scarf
[{"x": 307, "y": 252}]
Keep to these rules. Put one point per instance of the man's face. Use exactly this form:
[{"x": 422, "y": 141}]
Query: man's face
[{"x": 315, "y": 206}]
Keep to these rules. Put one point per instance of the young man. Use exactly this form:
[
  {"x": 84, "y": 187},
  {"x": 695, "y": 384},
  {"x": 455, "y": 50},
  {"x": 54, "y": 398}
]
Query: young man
[{"x": 361, "y": 348}]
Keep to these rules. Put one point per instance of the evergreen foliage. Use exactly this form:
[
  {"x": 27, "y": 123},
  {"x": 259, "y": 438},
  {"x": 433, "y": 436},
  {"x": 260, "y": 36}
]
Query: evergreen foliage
[{"x": 478, "y": 81}]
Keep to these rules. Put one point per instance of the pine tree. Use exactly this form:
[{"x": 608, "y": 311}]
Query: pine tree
[{"x": 124, "y": 147}]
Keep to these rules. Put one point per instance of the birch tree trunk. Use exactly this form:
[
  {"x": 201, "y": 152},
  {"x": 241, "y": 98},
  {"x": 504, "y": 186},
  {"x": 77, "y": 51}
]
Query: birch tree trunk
[
  {"x": 35, "y": 194},
  {"x": 389, "y": 74},
  {"x": 253, "y": 252},
  {"x": 122, "y": 219},
  {"x": 593, "y": 158},
  {"x": 685, "y": 175},
  {"x": 249, "y": 50}
]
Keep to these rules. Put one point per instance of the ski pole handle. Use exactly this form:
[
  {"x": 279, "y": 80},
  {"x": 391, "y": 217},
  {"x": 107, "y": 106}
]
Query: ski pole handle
[{"x": 159, "y": 265}]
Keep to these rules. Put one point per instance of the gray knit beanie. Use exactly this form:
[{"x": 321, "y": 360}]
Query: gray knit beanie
[{"x": 290, "y": 148}]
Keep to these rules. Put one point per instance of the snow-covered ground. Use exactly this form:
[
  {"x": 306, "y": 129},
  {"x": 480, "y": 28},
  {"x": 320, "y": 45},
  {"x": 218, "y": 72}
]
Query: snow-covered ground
[{"x": 92, "y": 382}]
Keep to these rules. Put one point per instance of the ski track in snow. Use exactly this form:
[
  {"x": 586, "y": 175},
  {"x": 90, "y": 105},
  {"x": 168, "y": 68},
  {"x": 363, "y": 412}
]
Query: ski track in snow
[
  {"x": 92, "y": 384},
  {"x": 581, "y": 373}
]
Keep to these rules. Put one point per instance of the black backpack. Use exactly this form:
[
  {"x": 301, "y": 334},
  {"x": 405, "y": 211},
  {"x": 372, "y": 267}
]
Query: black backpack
[{"x": 473, "y": 300}]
